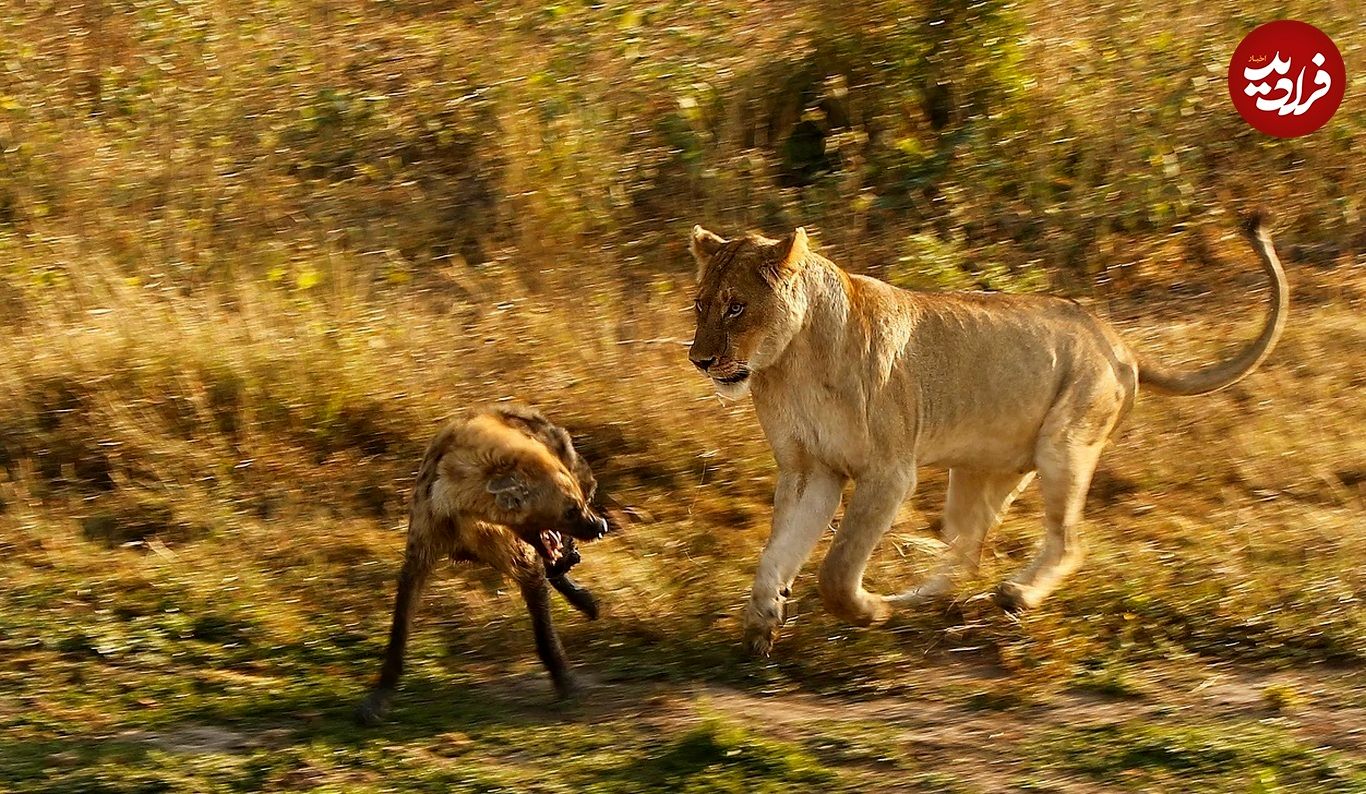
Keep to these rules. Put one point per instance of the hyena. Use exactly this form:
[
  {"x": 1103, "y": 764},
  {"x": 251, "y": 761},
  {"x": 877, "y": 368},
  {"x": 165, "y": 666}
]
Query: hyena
[{"x": 504, "y": 488}]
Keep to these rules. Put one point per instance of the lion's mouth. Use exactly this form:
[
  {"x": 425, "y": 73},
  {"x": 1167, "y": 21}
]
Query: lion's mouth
[{"x": 731, "y": 380}]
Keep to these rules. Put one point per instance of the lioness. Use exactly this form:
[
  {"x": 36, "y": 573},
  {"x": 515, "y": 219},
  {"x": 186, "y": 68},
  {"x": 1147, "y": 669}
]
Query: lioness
[
  {"x": 854, "y": 379},
  {"x": 504, "y": 488}
]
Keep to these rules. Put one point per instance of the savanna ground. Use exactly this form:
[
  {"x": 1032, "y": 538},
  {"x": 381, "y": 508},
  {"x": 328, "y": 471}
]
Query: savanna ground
[{"x": 253, "y": 253}]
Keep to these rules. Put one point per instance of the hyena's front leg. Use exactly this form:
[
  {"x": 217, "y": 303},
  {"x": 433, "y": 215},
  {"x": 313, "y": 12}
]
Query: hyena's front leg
[
  {"x": 536, "y": 591},
  {"x": 558, "y": 574},
  {"x": 804, "y": 503},
  {"x": 576, "y": 594},
  {"x": 417, "y": 569}
]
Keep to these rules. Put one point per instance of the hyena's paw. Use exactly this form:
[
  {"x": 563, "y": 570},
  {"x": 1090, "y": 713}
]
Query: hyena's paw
[
  {"x": 585, "y": 602},
  {"x": 372, "y": 711},
  {"x": 568, "y": 687}
]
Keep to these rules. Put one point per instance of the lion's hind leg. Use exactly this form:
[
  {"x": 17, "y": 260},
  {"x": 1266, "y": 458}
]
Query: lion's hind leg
[
  {"x": 976, "y": 503},
  {"x": 1065, "y": 469}
]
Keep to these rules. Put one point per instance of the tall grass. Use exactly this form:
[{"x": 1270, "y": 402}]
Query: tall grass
[{"x": 252, "y": 253}]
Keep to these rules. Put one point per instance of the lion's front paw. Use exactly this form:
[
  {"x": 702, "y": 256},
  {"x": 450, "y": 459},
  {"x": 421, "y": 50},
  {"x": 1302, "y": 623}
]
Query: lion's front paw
[
  {"x": 759, "y": 640},
  {"x": 763, "y": 619}
]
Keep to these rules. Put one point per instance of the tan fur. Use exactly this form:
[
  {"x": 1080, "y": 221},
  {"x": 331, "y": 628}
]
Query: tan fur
[
  {"x": 855, "y": 380},
  {"x": 453, "y": 514},
  {"x": 486, "y": 490}
]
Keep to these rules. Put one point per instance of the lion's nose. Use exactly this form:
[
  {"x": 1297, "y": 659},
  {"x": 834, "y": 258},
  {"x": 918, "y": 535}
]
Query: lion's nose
[{"x": 703, "y": 364}]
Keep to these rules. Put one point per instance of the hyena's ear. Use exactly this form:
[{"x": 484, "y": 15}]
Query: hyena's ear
[
  {"x": 787, "y": 256},
  {"x": 509, "y": 492},
  {"x": 704, "y": 246}
]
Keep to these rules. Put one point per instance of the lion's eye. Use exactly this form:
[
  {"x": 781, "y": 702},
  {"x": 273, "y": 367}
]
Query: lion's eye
[{"x": 735, "y": 310}]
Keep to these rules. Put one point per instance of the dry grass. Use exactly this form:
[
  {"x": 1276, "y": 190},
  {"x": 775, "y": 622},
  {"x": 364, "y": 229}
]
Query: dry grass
[{"x": 255, "y": 253}]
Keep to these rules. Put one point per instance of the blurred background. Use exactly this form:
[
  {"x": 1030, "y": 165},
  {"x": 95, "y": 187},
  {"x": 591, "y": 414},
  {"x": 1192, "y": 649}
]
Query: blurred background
[{"x": 253, "y": 253}]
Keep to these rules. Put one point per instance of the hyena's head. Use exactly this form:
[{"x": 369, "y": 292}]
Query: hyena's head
[
  {"x": 748, "y": 304},
  {"x": 543, "y": 502}
]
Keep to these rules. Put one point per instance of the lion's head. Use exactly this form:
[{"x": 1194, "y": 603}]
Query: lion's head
[{"x": 748, "y": 307}]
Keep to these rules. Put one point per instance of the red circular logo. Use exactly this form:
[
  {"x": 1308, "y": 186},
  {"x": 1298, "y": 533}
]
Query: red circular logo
[{"x": 1287, "y": 78}]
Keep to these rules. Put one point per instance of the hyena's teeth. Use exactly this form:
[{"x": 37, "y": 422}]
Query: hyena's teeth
[{"x": 553, "y": 544}]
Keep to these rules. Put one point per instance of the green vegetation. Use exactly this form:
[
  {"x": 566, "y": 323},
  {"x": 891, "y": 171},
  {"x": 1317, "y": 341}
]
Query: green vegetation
[
  {"x": 1232, "y": 756},
  {"x": 252, "y": 253}
]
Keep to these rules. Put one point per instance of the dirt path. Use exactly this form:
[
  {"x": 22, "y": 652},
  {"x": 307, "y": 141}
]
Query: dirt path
[
  {"x": 974, "y": 744},
  {"x": 979, "y": 744}
]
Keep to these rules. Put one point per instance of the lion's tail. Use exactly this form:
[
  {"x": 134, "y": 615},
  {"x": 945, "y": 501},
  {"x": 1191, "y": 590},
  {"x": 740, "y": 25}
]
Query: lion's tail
[{"x": 1155, "y": 377}]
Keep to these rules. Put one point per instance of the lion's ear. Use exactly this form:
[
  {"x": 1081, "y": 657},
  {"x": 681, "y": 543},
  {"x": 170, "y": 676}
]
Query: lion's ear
[
  {"x": 704, "y": 246},
  {"x": 789, "y": 255}
]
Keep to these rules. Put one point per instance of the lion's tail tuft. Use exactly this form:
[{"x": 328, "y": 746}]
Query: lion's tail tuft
[{"x": 1157, "y": 378}]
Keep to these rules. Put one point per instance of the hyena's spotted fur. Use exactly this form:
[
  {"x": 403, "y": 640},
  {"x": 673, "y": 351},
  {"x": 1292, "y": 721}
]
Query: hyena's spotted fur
[{"x": 488, "y": 490}]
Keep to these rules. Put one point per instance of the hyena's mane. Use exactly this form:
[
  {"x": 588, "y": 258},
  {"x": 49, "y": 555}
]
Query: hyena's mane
[{"x": 533, "y": 423}]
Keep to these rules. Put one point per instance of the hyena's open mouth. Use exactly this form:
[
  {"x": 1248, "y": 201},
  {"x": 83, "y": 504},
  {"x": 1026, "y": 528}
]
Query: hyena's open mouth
[{"x": 552, "y": 544}]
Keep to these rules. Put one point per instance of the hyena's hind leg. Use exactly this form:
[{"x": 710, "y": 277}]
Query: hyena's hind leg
[
  {"x": 418, "y": 564},
  {"x": 975, "y": 504}
]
